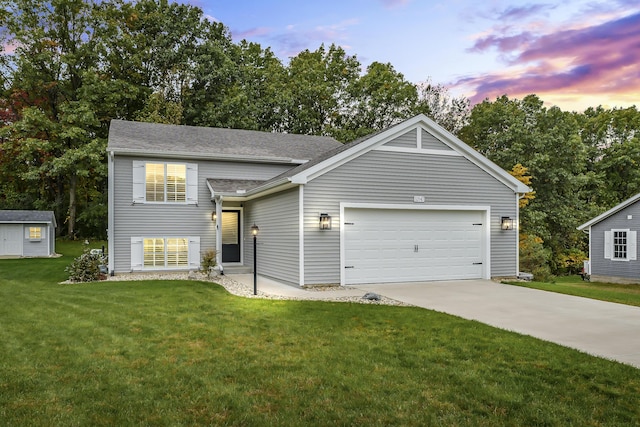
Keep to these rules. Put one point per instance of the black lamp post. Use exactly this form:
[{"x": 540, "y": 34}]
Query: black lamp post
[{"x": 254, "y": 231}]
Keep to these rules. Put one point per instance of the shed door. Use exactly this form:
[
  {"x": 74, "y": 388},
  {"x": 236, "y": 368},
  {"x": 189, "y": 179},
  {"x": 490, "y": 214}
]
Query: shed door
[
  {"x": 11, "y": 239},
  {"x": 389, "y": 245}
]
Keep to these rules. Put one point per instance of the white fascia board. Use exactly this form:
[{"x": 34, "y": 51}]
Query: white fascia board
[
  {"x": 201, "y": 156},
  {"x": 610, "y": 212},
  {"x": 264, "y": 190}
]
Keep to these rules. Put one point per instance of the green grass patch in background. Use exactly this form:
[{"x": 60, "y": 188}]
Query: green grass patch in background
[
  {"x": 189, "y": 353},
  {"x": 574, "y": 285}
]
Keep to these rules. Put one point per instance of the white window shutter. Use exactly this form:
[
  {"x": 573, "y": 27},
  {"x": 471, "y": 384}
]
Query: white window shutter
[
  {"x": 632, "y": 244},
  {"x": 138, "y": 181},
  {"x": 194, "y": 252},
  {"x": 192, "y": 183},
  {"x": 608, "y": 244},
  {"x": 137, "y": 253}
]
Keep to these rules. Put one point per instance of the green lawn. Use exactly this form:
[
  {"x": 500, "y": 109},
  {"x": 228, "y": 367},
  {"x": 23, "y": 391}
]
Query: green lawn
[
  {"x": 174, "y": 353},
  {"x": 574, "y": 285}
]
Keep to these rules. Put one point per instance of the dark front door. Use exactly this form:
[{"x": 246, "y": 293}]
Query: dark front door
[{"x": 230, "y": 236}]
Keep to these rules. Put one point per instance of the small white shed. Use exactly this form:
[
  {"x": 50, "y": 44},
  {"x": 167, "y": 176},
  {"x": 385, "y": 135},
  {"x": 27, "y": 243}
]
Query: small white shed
[{"x": 27, "y": 233}]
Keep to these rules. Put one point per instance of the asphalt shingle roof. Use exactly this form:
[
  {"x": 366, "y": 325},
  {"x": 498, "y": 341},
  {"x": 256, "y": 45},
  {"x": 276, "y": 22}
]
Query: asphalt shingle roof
[
  {"x": 26, "y": 216},
  {"x": 126, "y": 136}
]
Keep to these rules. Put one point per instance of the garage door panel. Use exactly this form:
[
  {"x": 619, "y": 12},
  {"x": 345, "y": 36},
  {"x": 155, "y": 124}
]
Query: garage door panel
[{"x": 412, "y": 245}]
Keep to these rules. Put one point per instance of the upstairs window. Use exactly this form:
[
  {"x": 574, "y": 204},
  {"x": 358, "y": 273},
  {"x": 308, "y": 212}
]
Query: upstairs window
[{"x": 165, "y": 182}]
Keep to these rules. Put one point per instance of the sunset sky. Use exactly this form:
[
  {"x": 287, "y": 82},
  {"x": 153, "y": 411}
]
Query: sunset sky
[{"x": 571, "y": 53}]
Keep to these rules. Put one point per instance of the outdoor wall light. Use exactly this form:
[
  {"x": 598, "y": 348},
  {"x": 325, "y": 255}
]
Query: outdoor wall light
[
  {"x": 325, "y": 221},
  {"x": 214, "y": 217},
  {"x": 507, "y": 223}
]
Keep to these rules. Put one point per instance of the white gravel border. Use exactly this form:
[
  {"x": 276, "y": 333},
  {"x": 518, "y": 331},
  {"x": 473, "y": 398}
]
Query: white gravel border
[{"x": 242, "y": 290}]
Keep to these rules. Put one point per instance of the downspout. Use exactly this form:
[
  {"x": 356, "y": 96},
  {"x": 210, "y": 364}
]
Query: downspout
[
  {"x": 111, "y": 212},
  {"x": 218, "y": 201},
  {"x": 518, "y": 198}
]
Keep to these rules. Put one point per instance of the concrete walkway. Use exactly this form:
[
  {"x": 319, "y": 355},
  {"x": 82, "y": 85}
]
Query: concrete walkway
[{"x": 599, "y": 328}]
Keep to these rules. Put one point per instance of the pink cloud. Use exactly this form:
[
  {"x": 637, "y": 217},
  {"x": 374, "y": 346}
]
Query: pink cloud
[{"x": 593, "y": 60}]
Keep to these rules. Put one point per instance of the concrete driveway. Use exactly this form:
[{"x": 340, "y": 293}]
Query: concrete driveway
[{"x": 599, "y": 328}]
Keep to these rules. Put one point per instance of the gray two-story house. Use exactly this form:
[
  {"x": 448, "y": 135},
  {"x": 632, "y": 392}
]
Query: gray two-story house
[{"x": 410, "y": 203}]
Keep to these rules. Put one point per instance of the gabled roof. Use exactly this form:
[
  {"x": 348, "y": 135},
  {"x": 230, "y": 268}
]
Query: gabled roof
[
  {"x": 147, "y": 139},
  {"x": 342, "y": 154},
  {"x": 19, "y": 216},
  {"x": 610, "y": 212}
]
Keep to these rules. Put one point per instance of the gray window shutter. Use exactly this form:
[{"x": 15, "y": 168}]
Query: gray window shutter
[
  {"x": 608, "y": 244},
  {"x": 136, "y": 253},
  {"x": 194, "y": 252},
  {"x": 138, "y": 181},
  {"x": 632, "y": 244},
  {"x": 192, "y": 183}
]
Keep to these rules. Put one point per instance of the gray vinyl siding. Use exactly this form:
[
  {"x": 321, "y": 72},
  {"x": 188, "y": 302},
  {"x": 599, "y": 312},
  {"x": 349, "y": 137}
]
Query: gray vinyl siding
[
  {"x": 607, "y": 267},
  {"x": 430, "y": 142},
  {"x": 394, "y": 178},
  {"x": 407, "y": 140},
  {"x": 278, "y": 240},
  {"x": 172, "y": 220},
  {"x": 36, "y": 248}
]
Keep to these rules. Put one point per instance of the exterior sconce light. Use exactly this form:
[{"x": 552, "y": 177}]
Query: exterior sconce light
[
  {"x": 325, "y": 221},
  {"x": 506, "y": 223},
  {"x": 214, "y": 217}
]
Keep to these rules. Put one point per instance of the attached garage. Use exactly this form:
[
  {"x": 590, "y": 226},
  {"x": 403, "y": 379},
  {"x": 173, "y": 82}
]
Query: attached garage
[
  {"x": 408, "y": 245},
  {"x": 27, "y": 233}
]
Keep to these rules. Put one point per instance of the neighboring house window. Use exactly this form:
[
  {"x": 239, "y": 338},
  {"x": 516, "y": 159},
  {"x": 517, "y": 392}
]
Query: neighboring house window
[
  {"x": 165, "y": 182},
  {"x": 620, "y": 245},
  {"x": 35, "y": 233},
  {"x": 168, "y": 253}
]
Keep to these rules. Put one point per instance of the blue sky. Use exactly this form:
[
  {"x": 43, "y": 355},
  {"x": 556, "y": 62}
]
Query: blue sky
[{"x": 571, "y": 53}]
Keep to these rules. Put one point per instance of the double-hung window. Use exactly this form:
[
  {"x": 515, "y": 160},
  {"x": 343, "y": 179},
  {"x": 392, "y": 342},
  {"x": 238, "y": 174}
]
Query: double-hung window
[
  {"x": 163, "y": 182},
  {"x": 620, "y": 244}
]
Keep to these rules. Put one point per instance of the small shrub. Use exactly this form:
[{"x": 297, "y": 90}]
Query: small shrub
[
  {"x": 208, "y": 261},
  {"x": 85, "y": 268}
]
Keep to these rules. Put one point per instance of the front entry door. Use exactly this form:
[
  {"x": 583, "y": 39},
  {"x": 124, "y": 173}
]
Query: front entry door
[{"x": 230, "y": 236}]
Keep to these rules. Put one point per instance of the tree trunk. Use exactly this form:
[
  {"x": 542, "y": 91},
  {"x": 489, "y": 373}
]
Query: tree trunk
[{"x": 71, "y": 223}]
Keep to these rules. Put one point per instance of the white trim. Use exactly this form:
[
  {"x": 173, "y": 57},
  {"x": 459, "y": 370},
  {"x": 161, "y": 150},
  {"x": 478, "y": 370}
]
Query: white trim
[
  {"x": 486, "y": 222},
  {"x": 301, "y": 235},
  {"x": 182, "y": 155},
  {"x": 418, "y": 138},
  {"x": 111, "y": 212},
  {"x": 613, "y": 244},
  {"x": 517, "y": 230},
  {"x": 610, "y": 212},
  {"x": 430, "y": 151}
]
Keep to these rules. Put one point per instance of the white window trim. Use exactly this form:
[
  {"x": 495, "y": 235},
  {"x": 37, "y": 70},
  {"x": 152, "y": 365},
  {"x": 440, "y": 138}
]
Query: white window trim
[{"x": 140, "y": 183}]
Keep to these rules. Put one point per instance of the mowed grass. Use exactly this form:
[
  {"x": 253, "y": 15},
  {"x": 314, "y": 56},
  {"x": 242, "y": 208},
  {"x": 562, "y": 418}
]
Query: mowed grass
[
  {"x": 574, "y": 285},
  {"x": 173, "y": 353}
]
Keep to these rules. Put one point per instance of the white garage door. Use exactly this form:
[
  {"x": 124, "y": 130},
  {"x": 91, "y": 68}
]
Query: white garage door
[
  {"x": 390, "y": 245},
  {"x": 11, "y": 239}
]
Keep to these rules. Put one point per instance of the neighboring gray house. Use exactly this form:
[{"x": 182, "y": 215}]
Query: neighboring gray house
[
  {"x": 613, "y": 243},
  {"x": 27, "y": 233},
  {"x": 409, "y": 203}
]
